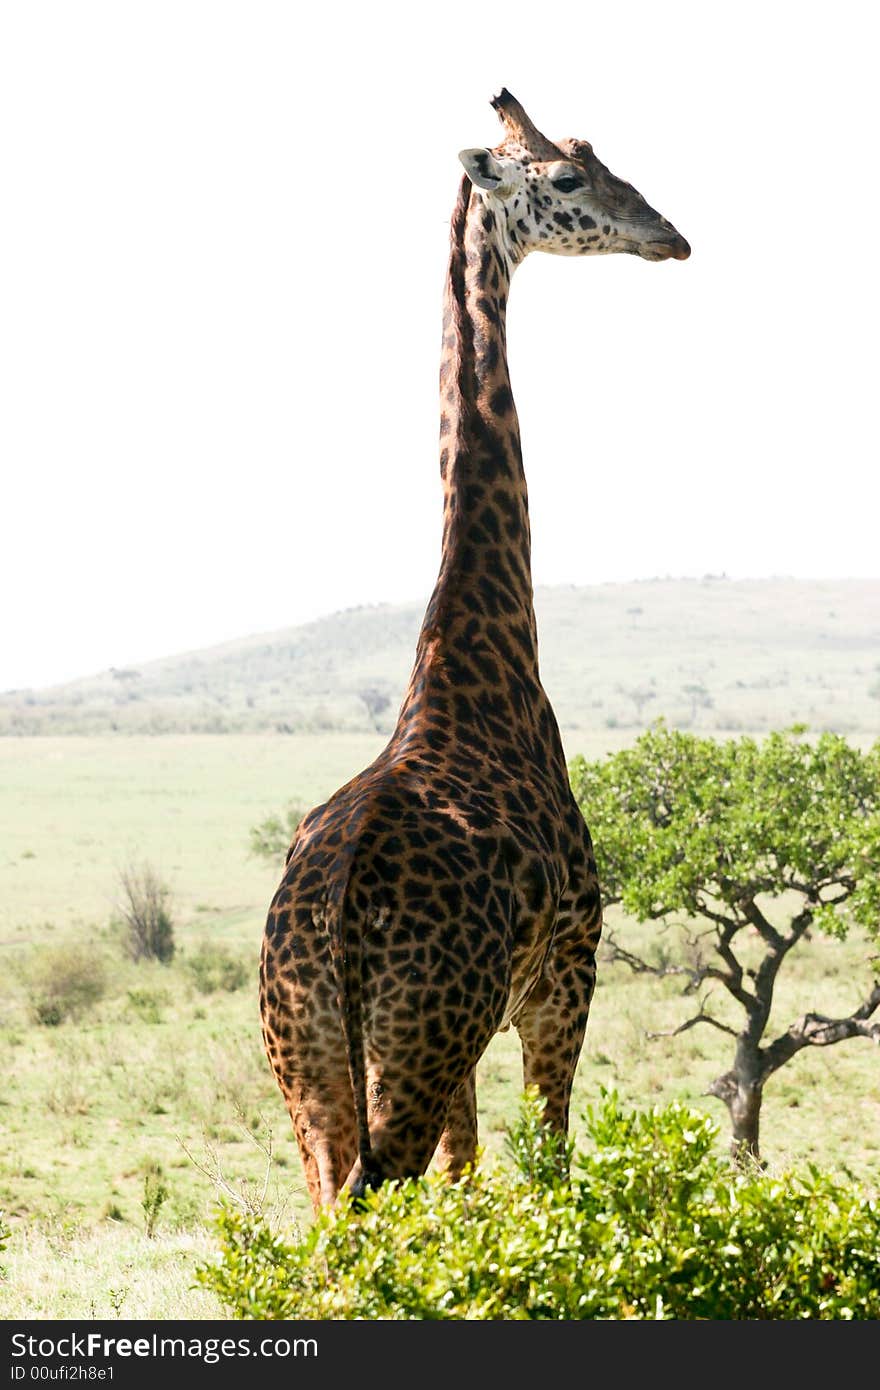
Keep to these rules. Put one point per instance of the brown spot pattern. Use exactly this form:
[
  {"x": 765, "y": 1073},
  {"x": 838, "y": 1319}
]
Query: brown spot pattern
[{"x": 450, "y": 888}]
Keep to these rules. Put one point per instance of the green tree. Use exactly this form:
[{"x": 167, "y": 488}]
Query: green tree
[{"x": 754, "y": 845}]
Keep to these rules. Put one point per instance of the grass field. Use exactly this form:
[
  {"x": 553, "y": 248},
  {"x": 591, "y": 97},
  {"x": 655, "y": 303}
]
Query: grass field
[
  {"x": 160, "y": 1081},
  {"x": 75, "y": 809}
]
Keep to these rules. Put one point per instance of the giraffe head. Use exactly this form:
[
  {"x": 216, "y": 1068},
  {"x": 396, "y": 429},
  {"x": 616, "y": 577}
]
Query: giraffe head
[{"x": 561, "y": 198}]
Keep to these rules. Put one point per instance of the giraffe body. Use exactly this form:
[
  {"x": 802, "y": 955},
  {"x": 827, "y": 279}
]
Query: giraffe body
[{"x": 450, "y": 889}]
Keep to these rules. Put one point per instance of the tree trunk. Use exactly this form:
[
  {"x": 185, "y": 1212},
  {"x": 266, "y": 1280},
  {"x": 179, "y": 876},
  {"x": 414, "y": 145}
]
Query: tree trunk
[{"x": 742, "y": 1095}]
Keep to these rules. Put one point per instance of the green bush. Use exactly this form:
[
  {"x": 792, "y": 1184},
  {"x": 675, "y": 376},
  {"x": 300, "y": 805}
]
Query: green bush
[
  {"x": 147, "y": 1004},
  {"x": 145, "y": 909},
  {"x": 214, "y": 967},
  {"x": 63, "y": 982},
  {"x": 653, "y": 1224},
  {"x": 155, "y": 1196},
  {"x": 272, "y": 837},
  {"x": 684, "y": 1234}
]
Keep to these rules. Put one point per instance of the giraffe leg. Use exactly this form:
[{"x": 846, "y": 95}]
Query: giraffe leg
[
  {"x": 326, "y": 1137},
  {"x": 425, "y": 1036},
  {"x": 402, "y": 1145},
  {"x": 327, "y": 1150},
  {"x": 552, "y": 1024},
  {"x": 304, "y": 1043},
  {"x": 458, "y": 1142},
  {"x": 410, "y": 1114}
]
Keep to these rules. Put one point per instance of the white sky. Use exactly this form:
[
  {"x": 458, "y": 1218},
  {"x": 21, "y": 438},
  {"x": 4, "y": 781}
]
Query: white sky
[{"x": 222, "y": 253}]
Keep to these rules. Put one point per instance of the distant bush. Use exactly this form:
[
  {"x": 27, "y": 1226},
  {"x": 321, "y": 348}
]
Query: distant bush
[
  {"x": 155, "y": 1196},
  {"x": 147, "y": 924},
  {"x": 214, "y": 967},
  {"x": 63, "y": 982},
  {"x": 655, "y": 1226},
  {"x": 148, "y": 1003},
  {"x": 271, "y": 838}
]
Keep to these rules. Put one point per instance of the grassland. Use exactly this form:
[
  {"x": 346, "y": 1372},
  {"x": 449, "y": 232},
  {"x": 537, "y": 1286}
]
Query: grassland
[
  {"x": 75, "y": 809},
  {"x": 159, "y": 1080}
]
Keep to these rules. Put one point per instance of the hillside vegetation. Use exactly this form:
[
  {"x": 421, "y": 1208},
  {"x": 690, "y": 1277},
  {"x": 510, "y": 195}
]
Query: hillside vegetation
[{"x": 714, "y": 654}]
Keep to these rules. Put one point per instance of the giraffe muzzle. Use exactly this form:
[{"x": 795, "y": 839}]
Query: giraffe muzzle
[{"x": 668, "y": 249}]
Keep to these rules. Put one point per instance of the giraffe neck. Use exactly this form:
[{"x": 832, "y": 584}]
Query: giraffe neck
[
  {"x": 476, "y": 667},
  {"x": 485, "y": 567}
]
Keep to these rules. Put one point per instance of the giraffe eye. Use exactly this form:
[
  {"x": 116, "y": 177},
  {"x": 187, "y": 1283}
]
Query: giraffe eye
[{"x": 567, "y": 184}]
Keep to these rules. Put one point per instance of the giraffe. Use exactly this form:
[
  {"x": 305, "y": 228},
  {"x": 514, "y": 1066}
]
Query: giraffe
[{"x": 450, "y": 889}]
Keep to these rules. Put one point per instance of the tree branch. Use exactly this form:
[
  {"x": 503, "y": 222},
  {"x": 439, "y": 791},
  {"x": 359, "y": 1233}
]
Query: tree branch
[
  {"x": 713, "y": 915},
  {"x": 765, "y": 929},
  {"x": 815, "y": 890},
  {"x": 832, "y": 902},
  {"x": 696, "y": 973},
  {"x": 797, "y": 927},
  {"x": 701, "y": 1017},
  {"x": 638, "y": 964},
  {"x": 816, "y": 1030},
  {"x": 733, "y": 980}
]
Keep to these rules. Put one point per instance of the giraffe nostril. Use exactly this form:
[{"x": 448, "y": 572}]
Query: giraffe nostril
[{"x": 672, "y": 248}]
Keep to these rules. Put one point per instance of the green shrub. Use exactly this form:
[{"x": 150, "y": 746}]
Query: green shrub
[
  {"x": 63, "y": 982},
  {"x": 272, "y": 837},
  {"x": 148, "y": 1004},
  {"x": 214, "y": 967},
  {"x": 155, "y": 1196},
  {"x": 682, "y": 1232},
  {"x": 652, "y": 1225},
  {"x": 147, "y": 923}
]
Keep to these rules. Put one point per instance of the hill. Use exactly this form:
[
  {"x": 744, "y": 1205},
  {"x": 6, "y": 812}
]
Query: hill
[{"x": 711, "y": 654}]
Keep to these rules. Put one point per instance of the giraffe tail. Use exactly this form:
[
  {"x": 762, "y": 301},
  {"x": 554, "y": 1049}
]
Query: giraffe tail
[{"x": 346, "y": 954}]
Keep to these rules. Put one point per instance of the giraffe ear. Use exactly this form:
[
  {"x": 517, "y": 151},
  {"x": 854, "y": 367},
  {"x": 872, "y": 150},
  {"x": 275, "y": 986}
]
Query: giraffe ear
[{"x": 484, "y": 170}]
